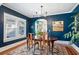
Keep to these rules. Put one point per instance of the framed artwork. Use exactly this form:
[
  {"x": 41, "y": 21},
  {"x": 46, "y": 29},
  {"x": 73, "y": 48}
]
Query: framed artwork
[
  {"x": 10, "y": 28},
  {"x": 21, "y": 28},
  {"x": 14, "y": 27},
  {"x": 58, "y": 25}
]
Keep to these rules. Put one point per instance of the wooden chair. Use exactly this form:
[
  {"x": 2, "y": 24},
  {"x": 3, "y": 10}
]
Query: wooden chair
[
  {"x": 45, "y": 38},
  {"x": 30, "y": 40},
  {"x": 44, "y": 42},
  {"x": 36, "y": 45}
]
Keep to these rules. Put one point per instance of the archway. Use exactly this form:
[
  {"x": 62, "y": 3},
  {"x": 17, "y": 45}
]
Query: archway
[{"x": 40, "y": 27}]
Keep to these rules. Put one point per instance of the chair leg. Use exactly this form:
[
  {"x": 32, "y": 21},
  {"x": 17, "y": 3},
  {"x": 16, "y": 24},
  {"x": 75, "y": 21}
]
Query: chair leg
[
  {"x": 36, "y": 48},
  {"x": 28, "y": 45}
]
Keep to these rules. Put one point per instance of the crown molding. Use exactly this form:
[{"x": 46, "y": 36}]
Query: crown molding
[{"x": 73, "y": 8}]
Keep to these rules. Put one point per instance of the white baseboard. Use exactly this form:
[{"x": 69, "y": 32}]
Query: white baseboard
[
  {"x": 11, "y": 45},
  {"x": 62, "y": 42},
  {"x": 75, "y": 47}
]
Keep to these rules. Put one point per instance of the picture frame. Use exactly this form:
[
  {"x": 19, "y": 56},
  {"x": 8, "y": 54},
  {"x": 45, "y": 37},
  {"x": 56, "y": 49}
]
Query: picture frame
[
  {"x": 58, "y": 26},
  {"x": 11, "y": 27}
]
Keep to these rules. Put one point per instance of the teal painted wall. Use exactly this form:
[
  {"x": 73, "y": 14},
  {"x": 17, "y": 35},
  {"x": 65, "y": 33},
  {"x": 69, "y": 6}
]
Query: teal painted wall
[
  {"x": 76, "y": 10},
  {"x": 10, "y": 11},
  {"x": 67, "y": 18}
]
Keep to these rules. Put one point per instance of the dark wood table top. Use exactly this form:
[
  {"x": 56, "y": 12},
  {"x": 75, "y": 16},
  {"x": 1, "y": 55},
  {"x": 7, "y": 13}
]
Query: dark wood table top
[{"x": 51, "y": 39}]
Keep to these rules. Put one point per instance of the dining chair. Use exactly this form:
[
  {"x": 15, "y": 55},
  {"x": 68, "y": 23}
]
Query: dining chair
[
  {"x": 36, "y": 45},
  {"x": 44, "y": 42},
  {"x": 29, "y": 41}
]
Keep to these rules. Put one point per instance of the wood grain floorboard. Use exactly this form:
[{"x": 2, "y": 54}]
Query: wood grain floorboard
[
  {"x": 62, "y": 49},
  {"x": 11, "y": 49}
]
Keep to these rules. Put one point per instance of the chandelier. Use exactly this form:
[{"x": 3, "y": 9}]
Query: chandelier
[{"x": 42, "y": 15}]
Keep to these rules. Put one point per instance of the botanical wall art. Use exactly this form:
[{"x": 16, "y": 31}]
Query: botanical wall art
[
  {"x": 74, "y": 33},
  {"x": 57, "y": 25}
]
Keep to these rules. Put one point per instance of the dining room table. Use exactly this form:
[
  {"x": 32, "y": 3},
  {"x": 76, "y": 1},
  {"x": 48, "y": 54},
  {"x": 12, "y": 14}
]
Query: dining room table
[{"x": 50, "y": 42}]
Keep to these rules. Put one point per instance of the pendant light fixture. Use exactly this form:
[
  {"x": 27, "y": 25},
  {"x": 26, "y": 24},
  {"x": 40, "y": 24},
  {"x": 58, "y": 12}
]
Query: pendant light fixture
[
  {"x": 41, "y": 10},
  {"x": 41, "y": 14}
]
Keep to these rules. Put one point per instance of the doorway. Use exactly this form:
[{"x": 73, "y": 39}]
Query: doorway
[{"x": 40, "y": 27}]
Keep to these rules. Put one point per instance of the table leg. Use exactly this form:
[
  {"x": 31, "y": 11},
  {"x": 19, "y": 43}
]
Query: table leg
[
  {"x": 52, "y": 46},
  {"x": 49, "y": 45}
]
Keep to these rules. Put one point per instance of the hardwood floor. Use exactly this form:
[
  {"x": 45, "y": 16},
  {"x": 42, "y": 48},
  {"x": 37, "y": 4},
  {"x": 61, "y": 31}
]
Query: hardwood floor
[
  {"x": 13, "y": 48},
  {"x": 67, "y": 50},
  {"x": 71, "y": 50},
  {"x": 59, "y": 49}
]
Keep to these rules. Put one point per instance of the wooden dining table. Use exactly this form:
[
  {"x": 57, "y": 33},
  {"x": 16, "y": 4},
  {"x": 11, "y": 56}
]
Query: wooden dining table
[{"x": 50, "y": 41}]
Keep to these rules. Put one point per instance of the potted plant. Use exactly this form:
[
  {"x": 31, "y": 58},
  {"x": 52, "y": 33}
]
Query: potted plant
[{"x": 39, "y": 34}]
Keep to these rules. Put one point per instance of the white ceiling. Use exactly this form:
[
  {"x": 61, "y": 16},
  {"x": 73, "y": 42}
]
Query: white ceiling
[
  {"x": 0, "y": 4},
  {"x": 29, "y": 9}
]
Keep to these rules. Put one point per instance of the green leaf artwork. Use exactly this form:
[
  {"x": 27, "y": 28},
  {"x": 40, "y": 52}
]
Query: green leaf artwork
[{"x": 73, "y": 34}]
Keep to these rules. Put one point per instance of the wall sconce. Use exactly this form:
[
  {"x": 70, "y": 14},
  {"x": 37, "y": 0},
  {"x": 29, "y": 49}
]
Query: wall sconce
[
  {"x": 49, "y": 30},
  {"x": 32, "y": 27}
]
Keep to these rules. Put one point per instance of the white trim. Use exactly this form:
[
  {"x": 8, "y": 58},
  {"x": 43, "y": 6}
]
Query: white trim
[
  {"x": 11, "y": 45},
  {"x": 75, "y": 47},
  {"x": 63, "y": 42},
  {"x": 73, "y": 8}
]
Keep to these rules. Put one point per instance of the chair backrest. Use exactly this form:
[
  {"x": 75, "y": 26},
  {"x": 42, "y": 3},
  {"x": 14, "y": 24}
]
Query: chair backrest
[
  {"x": 30, "y": 36},
  {"x": 45, "y": 36}
]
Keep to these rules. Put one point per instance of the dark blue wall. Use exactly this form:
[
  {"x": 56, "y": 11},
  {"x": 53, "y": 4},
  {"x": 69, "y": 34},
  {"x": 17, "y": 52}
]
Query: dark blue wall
[
  {"x": 76, "y": 10},
  {"x": 67, "y": 18},
  {"x": 8, "y": 10},
  {"x": 1, "y": 26}
]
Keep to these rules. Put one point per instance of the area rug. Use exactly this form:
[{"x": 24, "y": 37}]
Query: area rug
[{"x": 57, "y": 50}]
